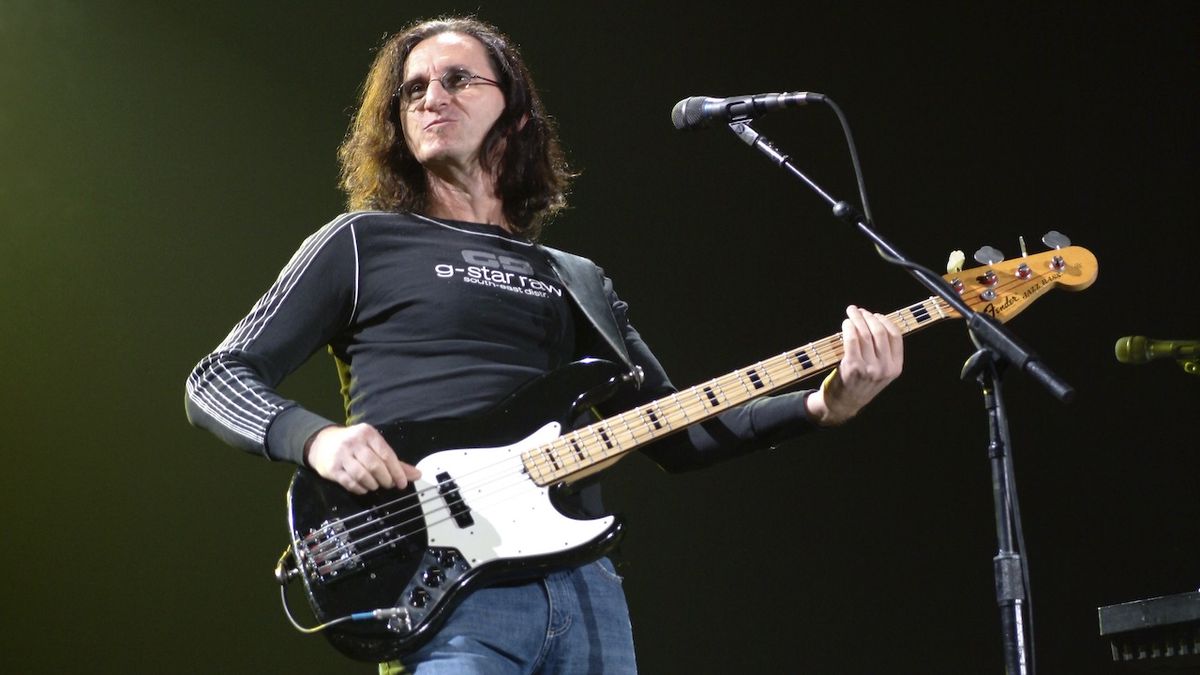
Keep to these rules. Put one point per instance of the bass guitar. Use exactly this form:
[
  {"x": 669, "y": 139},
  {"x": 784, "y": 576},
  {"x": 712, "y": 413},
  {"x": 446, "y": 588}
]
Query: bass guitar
[{"x": 384, "y": 570}]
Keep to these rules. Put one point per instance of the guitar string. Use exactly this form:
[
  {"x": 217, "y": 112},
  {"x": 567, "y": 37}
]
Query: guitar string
[{"x": 825, "y": 349}]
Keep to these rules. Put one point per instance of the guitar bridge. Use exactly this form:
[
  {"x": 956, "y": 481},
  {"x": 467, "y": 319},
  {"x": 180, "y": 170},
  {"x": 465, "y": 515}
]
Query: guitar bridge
[{"x": 327, "y": 552}]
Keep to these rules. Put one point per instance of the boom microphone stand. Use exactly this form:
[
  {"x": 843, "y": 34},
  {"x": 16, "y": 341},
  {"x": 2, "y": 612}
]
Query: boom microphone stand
[{"x": 997, "y": 349}]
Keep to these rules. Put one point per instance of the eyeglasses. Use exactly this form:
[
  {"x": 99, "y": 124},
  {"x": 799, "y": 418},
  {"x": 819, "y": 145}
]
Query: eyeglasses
[{"x": 453, "y": 81}]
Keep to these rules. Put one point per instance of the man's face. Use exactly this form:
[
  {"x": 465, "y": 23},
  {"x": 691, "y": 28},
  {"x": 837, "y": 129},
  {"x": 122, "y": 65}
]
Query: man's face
[{"x": 444, "y": 129}]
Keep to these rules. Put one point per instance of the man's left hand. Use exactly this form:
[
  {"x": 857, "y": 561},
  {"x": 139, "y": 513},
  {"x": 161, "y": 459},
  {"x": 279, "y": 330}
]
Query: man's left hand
[{"x": 874, "y": 356}]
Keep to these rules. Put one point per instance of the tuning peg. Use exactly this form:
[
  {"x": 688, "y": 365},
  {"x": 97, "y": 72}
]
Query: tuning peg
[
  {"x": 954, "y": 263},
  {"x": 989, "y": 256},
  {"x": 1024, "y": 271},
  {"x": 1055, "y": 239}
]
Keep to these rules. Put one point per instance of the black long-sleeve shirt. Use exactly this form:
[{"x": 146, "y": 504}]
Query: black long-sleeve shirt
[{"x": 429, "y": 319}]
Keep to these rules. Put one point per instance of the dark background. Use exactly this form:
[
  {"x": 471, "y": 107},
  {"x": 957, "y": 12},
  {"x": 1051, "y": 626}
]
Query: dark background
[{"x": 160, "y": 162}]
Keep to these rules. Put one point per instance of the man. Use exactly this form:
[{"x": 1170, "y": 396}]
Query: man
[{"x": 436, "y": 303}]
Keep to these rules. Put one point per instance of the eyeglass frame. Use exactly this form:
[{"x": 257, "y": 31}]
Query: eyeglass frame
[{"x": 407, "y": 101}]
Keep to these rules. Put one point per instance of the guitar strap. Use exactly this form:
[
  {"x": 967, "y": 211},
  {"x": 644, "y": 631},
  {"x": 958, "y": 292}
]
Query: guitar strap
[{"x": 585, "y": 284}]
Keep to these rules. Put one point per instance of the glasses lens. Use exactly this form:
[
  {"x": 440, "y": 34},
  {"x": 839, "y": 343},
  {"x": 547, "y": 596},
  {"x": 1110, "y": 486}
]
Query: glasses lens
[
  {"x": 455, "y": 81},
  {"x": 413, "y": 90}
]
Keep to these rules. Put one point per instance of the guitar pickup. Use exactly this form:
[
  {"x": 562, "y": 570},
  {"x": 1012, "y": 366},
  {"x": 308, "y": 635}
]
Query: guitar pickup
[{"x": 458, "y": 509}]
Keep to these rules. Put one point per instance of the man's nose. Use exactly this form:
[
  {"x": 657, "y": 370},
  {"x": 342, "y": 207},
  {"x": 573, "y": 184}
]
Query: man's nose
[{"x": 436, "y": 94}]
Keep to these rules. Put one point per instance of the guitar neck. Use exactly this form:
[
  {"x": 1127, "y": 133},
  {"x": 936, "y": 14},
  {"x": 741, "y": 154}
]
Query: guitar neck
[{"x": 591, "y": 448}]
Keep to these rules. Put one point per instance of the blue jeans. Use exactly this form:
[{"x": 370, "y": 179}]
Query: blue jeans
[{"x": 573, "y": 621}]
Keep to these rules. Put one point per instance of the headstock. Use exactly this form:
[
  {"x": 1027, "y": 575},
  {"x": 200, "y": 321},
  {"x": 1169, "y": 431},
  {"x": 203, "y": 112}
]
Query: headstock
[{"x": 1003, "y": 288}]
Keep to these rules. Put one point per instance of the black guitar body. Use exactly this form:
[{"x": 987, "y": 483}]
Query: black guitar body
[{"x": 474, "y": 518}]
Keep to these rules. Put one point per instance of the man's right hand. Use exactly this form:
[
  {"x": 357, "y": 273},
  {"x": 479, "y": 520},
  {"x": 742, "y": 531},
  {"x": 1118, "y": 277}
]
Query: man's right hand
[{"x": 357, "y": 458}]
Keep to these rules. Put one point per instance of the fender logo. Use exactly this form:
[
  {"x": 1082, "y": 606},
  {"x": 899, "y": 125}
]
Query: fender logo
[{"x": 993, "y": 310}]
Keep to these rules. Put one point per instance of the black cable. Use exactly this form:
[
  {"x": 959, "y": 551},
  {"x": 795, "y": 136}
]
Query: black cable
[
  {"x": 1010, "y": 480},
  {"x": 854, "y": 161}
]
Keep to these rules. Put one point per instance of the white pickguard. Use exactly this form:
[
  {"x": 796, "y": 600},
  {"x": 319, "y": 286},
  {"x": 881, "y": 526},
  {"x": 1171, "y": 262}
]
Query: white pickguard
[{"x": 513, "y": 516}]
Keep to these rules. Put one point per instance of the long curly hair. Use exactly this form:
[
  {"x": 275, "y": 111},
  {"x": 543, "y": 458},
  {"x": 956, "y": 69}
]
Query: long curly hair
[{"x": 521, "y": 151}]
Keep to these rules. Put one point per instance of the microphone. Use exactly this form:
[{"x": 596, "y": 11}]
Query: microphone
[
  {"x": 700, "y": 111},
  {"x": 1139, "y": 349}
]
